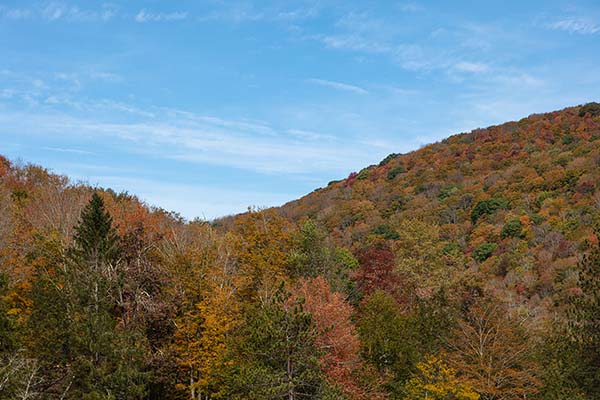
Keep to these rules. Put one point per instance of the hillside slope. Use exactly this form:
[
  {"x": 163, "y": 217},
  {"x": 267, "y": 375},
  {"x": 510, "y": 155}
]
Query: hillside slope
[{"x": 517, "y": 200}]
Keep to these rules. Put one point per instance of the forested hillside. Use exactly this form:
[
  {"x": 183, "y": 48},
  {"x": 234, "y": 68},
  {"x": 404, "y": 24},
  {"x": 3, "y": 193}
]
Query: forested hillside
[{"x": 469, "y": 269}]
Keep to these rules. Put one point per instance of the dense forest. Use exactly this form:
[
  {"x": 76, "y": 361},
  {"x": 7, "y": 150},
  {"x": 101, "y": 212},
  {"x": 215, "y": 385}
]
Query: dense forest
[{"x": 468, "y": 269}]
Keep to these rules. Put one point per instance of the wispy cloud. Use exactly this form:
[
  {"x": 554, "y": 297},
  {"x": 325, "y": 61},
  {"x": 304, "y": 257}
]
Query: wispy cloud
[
  {"x": 65, "y": 88},
  {"x": 298, "y": 13},
  {"x": 518, "y": 79},
  {"x": 54, "y": 11},
  {"x": 201, "y": 139},
  {"x": 338, "y": 85},
  {"x": 354, "y": 42},
  {"x": 410, "y": 7},
  {"x": 310, "y": 135},
  {"x": 146, "y": 16},
  {"x": 473, "y": 67},
  {"x": 14, "y": 13},
  {"x": 106, "y": 76},
  {"x": 578, "y": 25},
  {"x": 68, "y": 150},
  {"x": 57, "y": 10}
]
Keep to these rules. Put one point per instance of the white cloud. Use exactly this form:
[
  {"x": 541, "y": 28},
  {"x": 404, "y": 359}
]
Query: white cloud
[
  {"x": 411, "y": 7},
  {"x": 54, "y": 11},
  {"x": 580, "y": 26},
  {"x": 68, "y": 150},
  {"x": 310, "y": 135},
  {"x": 145, "y": 16},
  {"x": 354, "y": 42},
  {"x": 57, "y": 10},
  {"x": 519, "y": 79},
  {"x": 298, "y": 14},
  {"x": 199, "y": 139},
  {"x": 106, "y": 76},
  {"x": 14, "y": 13},
  {"x": 338, "y": 85},
  {"x": 472, "y": 67}
]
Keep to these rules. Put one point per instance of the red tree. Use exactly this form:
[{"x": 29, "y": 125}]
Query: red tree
[
  {"x": 337, "y": 338},
  {"x": 376, "y": 270}
]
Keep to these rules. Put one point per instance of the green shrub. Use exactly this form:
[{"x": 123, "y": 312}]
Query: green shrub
[
  {"x": 447, "y": 192},
  {"x": 590, "y": 108},
  {"x": 536, "y": 218},
  {"x": 388, "y": 159},
  {"x": 568, "y": 139},
  {"x": 512, "y": 228},
  {"x": 451, "y": 248},
  {"x": 387, "y": 232},
  {"x": 392, "y": 173},
  {"x": 364, "y": 174},
  {"x": 541, "y": 198},
  {"x": 484, "y": 251},
  {"x": 486, "y": 207}
]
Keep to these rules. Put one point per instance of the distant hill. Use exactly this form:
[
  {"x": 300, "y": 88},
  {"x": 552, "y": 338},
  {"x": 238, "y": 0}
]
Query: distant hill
[{"x": 518, "y": 200}]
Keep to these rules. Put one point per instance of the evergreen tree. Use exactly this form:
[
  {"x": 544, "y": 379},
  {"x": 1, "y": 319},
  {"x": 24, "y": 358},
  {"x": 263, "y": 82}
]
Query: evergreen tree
[
  {"x": 96, "y": 240},
  {"x": 584, "y": 325},
  {"x": 313, "y": 255},
  {"x": 278, "y": 357},
  {"x": 76, "y": 311},
  {"x": 388, "y": 339},
  {"x": 7, "y": 326}
]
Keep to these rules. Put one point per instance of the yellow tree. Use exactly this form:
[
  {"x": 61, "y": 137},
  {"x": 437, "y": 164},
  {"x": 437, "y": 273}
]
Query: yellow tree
[
  {"x": 262, "y": 248},
  {"x": 210, "y": 309},
  {"x": 490, "y": 348},
  {"x": 201, "y": 342},
  {"x": 435, "y": 380}
]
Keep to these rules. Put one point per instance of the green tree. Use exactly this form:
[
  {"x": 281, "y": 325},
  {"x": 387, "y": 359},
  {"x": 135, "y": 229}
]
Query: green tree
[
  {"x": 584, "y": 325},
  {"x": 487, "y": 207},
  {"x": 76, "y": 312},
  {"x": 277, "y": 354},
  {"x": 313, "y": 256},
  {"x": 512, "y": 228},
  {"x": 387, "y": 339},
  {"x": 8, "y": 340},
  {"x": 310, "y": 257},
  {"x": 484, "y": 251}
]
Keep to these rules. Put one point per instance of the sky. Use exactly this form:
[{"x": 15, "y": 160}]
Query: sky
[{"x": 208, "y": 107}]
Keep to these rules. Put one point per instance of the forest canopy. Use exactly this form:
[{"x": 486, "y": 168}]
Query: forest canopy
[{"x": 469, "y": 269}]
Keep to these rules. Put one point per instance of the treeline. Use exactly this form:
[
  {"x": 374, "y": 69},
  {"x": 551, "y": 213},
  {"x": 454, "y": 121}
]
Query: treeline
[{"x": 134, "y": 303}]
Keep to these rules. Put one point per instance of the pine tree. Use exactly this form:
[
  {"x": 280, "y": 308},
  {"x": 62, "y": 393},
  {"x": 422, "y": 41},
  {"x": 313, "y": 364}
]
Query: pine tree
[
  {"x": 277, "y": 354},
  {"x": 584, "y": 324},
  {"x": 96, "y": 240},
  {"x": 76, "y": 311},
  {"x": 7, "y": 326}
]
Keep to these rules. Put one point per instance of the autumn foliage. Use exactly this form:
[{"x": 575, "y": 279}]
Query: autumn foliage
[{"x": 465, "y": 270}]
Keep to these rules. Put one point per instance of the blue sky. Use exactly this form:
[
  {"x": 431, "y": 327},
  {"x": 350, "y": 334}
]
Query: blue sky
[{"x": 207, "y": 107}]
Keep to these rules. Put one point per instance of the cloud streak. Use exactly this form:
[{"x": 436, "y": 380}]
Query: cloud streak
[
  {"x": 579, "y": 26},
  {"x": 204, "y": 140},
  {"x": 472, "y": 67},
  {"x": 338, "y": 85},
  {"x": 146, "y": 16}
]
